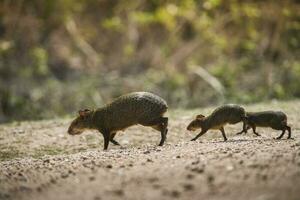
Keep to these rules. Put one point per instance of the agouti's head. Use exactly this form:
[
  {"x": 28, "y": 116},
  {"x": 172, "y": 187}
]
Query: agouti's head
[
  {"x": 196, "y": 123},
  {"x": 81, "y": 123}
]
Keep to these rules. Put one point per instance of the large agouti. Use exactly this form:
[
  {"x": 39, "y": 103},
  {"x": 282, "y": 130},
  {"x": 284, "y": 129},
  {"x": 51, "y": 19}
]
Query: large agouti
[
  {"x": 226, "y": 114},
  {"x": 134, "y": 108},
  {"x": 273, "y": 119}
]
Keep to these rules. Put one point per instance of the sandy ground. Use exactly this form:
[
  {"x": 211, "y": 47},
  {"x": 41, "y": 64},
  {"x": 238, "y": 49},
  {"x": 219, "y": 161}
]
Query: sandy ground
[{"x": 40, "y": 161}]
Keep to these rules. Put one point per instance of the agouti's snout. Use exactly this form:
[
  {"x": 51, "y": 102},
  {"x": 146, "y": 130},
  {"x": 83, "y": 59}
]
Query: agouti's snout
[
  {"x": 73, "y": 132},
  {"x": 81, "y": 123},
  {"x": 190, "y": 128}
]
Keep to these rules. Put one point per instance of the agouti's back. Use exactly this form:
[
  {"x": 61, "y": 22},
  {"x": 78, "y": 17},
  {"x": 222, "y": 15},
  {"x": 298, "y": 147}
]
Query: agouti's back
[
  {"x": 229, "y": 113},
  {"x": 130, "y": 109},
  {"x": 267, "y": 118}
]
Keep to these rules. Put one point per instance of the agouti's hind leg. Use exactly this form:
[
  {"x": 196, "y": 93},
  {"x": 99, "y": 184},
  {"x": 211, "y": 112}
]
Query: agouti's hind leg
[
  {"x": 161, "y": 124},
  {"x": 111, "y": 139},
  {"x": 164, "y": 130},
  {"x": 223, "y": 133},
  {"x": 254, "y": 130},
  {"x": 163, "y": 137}
]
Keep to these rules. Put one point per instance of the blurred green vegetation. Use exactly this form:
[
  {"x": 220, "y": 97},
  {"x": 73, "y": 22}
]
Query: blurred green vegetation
[{"x": 57, "y": 56}]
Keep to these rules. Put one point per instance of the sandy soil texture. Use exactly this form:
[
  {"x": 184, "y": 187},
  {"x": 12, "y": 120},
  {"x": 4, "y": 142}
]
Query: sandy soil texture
[{"x": 40, "y": 161}]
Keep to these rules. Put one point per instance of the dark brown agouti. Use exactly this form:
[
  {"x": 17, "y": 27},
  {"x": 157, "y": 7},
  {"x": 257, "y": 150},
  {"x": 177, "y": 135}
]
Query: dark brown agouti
[
  {"x": 226, "y": 114},
  {"x": 274, "y": 119},
  {"x": 134, "y": 108}
]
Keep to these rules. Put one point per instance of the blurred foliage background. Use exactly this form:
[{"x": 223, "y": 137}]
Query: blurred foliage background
[{"x": 57, "y": 56}]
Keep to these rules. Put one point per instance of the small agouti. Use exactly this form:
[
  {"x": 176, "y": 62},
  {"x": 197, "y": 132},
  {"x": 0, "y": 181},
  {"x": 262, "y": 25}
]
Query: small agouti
[
  {"x": 274, "y": 119},
  {"x": 226, "y": 114},
  {"x": 134, "y": 108}
]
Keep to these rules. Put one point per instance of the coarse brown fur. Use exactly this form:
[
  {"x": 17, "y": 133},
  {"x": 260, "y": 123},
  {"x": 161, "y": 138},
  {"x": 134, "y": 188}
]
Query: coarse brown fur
[
  {"x": 274, "y": 119},
  {"x": 226, "y": 114},
  {"x": 134, "y": 108}
]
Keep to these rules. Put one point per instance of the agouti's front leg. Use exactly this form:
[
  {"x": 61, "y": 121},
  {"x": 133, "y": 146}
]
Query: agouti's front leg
[
  {"x": 254, "y": 130},
  {"x": 223, "y": 133},
  {"x": 200, "y": 134},
  {"x": 245, "y": 129},
  {"x": 112, "y": 139},
  {"x": 280, "y": 136},
  {"x": 106, "y": 136}
]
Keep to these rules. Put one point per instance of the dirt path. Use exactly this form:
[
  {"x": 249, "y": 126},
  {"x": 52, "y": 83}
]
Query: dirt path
[{"x": 40, "y": 161}]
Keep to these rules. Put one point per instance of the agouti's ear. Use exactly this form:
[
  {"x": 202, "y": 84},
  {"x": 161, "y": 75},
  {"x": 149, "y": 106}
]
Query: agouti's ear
[
  {"x": 199, "y": 116},
  {"x": 83, "y": 113}
]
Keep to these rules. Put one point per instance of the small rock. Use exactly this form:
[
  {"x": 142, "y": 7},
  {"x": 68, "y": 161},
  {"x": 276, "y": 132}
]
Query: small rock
[
  {"x": 84, "y": 158},
  {"x": 253, "y": 165},
  {"x": 210, "y": 178},
  {"x": 109, "y": 166},
  {"x": 229, "y": 167},
  {"x": 149, "y": 160},
  {"x": 297, "y": 144},
  {"x": 175, "y": 193},
  {"x": 196, "y": 162},
  {"x": 119, "y": 192},
  {"x": 153, "y": 179},
  {"x": 4, "y": 196},
  {"x": 46, "y": 160},
  {"x": 19, "y": 131},
  {"x": 146, "y": 152},
  {"x": 52, "y": 180},
  {"x": 39, "y": 189},
  {"x": 264, "y": 177},
  {"x": 92, "y": 178},
  {"x": 188, "y": 186},
  {"x": 24, "y": 188},
  {"x": 198, "y": 170},
  {"x": 64, "y": 175},
  {"x": 97, "y": 198},
  {"x": 190, "y": 176}
]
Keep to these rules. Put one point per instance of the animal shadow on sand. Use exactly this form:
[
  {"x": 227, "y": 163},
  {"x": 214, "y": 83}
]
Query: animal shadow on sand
[{"x": 261, "y": 139}]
